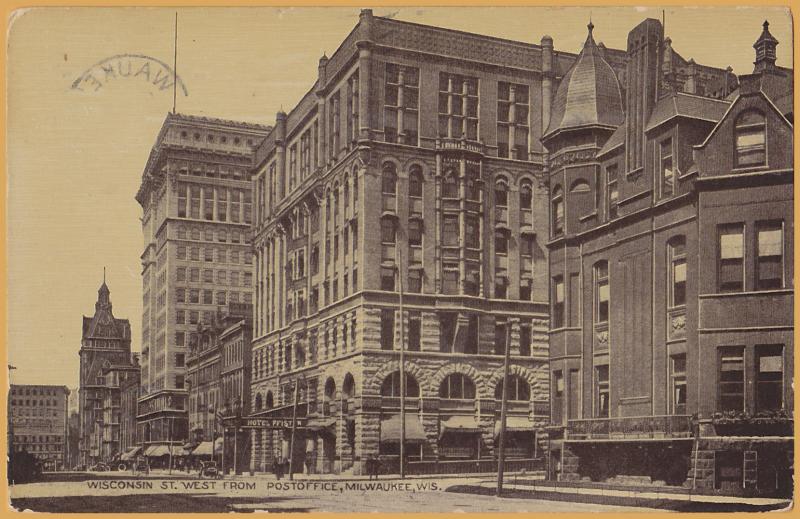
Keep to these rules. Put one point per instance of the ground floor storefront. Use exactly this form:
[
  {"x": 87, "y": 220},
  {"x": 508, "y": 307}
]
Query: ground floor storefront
[
  {"x": 709, "y": 464},
  {"x": 363, "y": 441}
]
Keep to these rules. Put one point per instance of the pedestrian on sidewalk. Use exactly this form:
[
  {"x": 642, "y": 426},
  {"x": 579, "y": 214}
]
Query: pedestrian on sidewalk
[{"x": 277, "y": 468}]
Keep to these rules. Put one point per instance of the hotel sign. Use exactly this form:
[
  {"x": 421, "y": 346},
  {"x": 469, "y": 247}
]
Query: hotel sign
[{"x": 271, "y": 423}]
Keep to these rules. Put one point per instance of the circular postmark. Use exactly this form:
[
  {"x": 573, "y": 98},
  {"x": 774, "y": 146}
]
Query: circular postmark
[{"x": 129, "y": 67}]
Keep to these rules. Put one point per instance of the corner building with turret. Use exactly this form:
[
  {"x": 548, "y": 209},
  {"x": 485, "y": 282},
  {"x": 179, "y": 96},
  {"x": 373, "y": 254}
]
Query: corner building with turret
[{"x": 670, "y": 269}]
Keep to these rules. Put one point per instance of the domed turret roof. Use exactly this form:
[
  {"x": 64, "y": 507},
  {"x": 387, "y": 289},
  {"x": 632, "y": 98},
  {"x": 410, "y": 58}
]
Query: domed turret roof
[{"x": 589, "y": 93}]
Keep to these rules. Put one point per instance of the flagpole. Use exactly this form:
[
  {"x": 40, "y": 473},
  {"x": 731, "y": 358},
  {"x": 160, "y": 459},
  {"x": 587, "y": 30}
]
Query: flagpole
[{"x": 175, "y": 66}]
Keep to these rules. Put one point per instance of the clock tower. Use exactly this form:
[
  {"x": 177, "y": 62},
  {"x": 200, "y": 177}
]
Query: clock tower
[{"x": 105, "y": 342}]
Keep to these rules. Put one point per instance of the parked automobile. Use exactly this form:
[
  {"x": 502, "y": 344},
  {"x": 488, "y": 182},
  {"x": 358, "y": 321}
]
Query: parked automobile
[{"x": 209, "y": 469}]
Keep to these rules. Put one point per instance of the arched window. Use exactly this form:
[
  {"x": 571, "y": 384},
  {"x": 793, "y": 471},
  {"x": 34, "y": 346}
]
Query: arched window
[
  {"x": 450, "y": 184},
  {"x": 391, "y": 386},
  {"x": 330, "y": 389},
  {"x": 387, "y": 229},
  {"x": 580, "y": 186},
  {"x": 259, "y": 402},
  {"x": 557, "y": 211},
  {"x": 457, "y": 385},
  {"x": 676, "y": 250},
  {"x": 336, "y": 202},
  {"x": 751, "y": 142},
  {"x": 518, "y": 389},
  {"x": 501, "y": 192},
  {"x": 389, "y": 179},
  {"x": 415, "y": 182},
  {"x": 346, "y": 192},
  {"x": 349, "y": 387},
  {"x": 270, "y": 400},
  {"x": 526, "y": 195}
]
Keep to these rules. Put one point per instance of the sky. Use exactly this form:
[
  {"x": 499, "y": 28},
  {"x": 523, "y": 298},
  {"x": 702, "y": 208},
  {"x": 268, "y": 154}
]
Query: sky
[{"x": 75, "y": 158}]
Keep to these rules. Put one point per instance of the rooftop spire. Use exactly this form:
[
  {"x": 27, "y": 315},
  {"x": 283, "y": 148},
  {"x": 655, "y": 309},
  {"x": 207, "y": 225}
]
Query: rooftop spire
[{"x": 765, "y": 50}]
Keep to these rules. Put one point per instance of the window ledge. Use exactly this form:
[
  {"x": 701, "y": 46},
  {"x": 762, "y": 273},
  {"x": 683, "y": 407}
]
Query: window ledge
[
  {"x": 588, "y": 217},
  {"x": 780, "y": 291}
]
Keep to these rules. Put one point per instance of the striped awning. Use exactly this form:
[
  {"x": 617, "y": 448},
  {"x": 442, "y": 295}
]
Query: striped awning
[
  {"x": 390, "y": 429},
  {"x": 154, "y": 451},
  {"x": 130, "y": 453},
  {"x": 204, "y": 449}
]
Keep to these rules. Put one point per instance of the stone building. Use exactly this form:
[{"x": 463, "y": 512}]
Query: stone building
[
  {"x": 106, "y": 342},
  {"x": 413, "y": 162},
  {"x": 197, "y": 209},
  {"x": 38, "y": 423},
  {"x": 671, "y": 258},
  {"x": 218, "y": 378},
  {"x": 129, "y": 402}
]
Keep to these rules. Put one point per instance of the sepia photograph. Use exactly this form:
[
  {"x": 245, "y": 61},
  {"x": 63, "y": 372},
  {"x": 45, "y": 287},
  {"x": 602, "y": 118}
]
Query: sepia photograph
[{"x": 400, "y": 259}]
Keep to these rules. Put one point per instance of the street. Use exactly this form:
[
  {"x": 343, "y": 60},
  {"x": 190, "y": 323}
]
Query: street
[{"x": 164, "y": 494}]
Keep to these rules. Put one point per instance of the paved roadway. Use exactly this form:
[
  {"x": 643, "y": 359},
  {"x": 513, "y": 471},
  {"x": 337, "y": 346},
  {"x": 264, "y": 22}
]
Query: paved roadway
[{"x": 164, "y": 495}]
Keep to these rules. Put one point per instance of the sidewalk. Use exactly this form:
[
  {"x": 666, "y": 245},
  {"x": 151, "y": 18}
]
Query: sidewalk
[{"x": 667, "y": 498}]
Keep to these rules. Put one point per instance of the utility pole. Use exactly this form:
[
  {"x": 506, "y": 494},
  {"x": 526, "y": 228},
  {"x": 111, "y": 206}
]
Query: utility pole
[
  {"x": 294, "y": 428},
  {"x": 402, "y": 366},
  {"x": 171, "y": 420},
  {"x": 501, "y": 455}
]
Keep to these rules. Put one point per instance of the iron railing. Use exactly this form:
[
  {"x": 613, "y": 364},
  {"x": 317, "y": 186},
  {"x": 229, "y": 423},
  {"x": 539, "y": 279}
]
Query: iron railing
[{"x": 630, "y": 427}]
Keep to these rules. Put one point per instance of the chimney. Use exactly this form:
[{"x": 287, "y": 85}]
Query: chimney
[
  {"x": 645, "y": 44},
  {"x": 547, "y": 80}
]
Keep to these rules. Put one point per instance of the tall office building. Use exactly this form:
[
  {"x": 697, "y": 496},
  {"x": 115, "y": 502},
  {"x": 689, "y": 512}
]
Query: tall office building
[
  {"x": 413, "y": 162},
  {"x": 197, "y": 207},
  {"x": 38, "y": 423}
]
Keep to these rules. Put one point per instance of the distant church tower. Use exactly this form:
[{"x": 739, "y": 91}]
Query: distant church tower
[{"x": 105, "y": 341}]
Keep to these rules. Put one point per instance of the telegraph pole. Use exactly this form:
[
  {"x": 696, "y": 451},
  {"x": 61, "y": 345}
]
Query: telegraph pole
[
  {"x": 402, "y": 366},
  {"x": 501, "y": 455},
  {"x": 294, "y": 428}
]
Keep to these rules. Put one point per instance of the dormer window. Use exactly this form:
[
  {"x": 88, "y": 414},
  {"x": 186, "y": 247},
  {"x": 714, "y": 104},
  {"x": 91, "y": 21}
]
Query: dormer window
[{"x": 751, "y": 149}]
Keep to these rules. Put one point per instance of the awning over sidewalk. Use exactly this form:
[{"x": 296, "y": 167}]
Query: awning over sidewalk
[
  {"x": 204, "y": 449},
  {"x": 320, "y": 424},
  {"x": 390, "y": 429},
  {"x": 130, "y": 453},
  {"x": 514, "y": 424},
  {"x": 154, "y": 451},
  {"x": 459, "y": 424}
]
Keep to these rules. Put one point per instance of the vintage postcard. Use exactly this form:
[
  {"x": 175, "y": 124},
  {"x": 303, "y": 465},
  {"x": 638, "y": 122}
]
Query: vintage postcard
[{"x": 440, "y": 259}]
